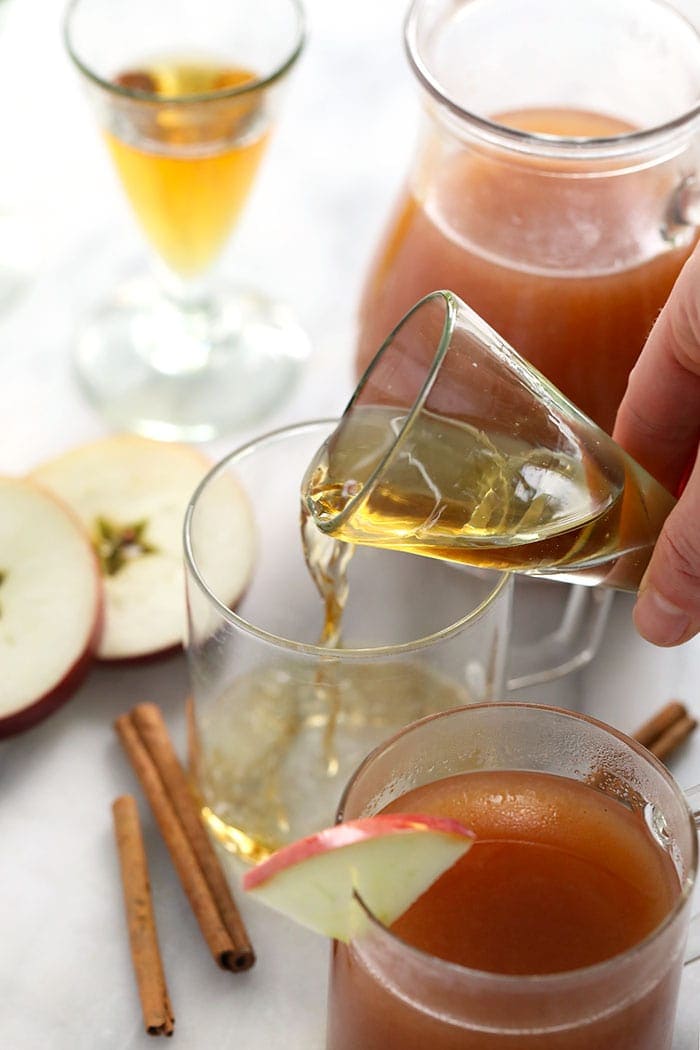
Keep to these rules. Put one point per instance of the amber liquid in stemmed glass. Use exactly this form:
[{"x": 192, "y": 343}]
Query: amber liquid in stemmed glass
[
  {"x": 186, "y": 170},
  {"x": 187, "y": 100}
]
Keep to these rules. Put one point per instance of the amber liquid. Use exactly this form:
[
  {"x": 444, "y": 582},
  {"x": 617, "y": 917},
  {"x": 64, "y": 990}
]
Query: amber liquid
[
  {"x": 572, "y": 272},
  {"x": 271, "y": 754},
  {"x": 188, "y": 168},
  {"x": 535, "y": 895},
  {"x": 466, "y": 493}
]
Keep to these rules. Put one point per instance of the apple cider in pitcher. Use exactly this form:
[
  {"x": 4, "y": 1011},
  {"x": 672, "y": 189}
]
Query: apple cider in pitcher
[{"x": 569, "y": 260}]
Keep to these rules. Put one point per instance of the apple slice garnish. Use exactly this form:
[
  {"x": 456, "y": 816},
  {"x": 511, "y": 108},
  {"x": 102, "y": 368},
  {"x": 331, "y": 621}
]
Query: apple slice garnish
[
  {"x": 50, "y": 602},
  {"x": 387, "y": 860},
  {"x": 131, "y": 494}
]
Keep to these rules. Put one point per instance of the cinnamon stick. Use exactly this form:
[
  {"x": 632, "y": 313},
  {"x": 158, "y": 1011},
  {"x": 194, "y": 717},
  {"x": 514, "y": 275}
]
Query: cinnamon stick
[
  {"x": 229, "y": 952},
  {"x": 673, "y": 737},
  {"x": 149, "y": 723},
  {"x": 143, "y": 940},
  {"x": 661, "y": 735},
  {"x": 660, "y": 722}
]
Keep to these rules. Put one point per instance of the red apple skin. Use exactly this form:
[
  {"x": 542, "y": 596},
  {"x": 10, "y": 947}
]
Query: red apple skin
[
  {"x": 38, "y": 710},
  {"x": 29, "y": 716},
  {"x": 171, "y": 648},
  {"x": 347, "y": 834},
  {"x": 155, "y": 656},
  {"x": 63, "y": 690}
]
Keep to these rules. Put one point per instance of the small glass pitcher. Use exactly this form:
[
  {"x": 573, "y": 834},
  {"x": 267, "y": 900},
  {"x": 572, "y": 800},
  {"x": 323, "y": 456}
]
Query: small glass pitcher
[
  {"x": 554, "y": 186},
  {"x": 454, "y": 447}
]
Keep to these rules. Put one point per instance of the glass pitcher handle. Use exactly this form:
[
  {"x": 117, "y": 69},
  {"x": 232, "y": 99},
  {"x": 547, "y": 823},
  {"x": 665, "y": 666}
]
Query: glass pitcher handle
[
  {"x": 683, "y": 211},
  {"x": 572, "y": 645},
  {"x": 692, "y": 951}
]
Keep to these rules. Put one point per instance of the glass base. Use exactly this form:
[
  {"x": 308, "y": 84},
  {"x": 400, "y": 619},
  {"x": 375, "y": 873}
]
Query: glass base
[{"x": 192, "y": 371}]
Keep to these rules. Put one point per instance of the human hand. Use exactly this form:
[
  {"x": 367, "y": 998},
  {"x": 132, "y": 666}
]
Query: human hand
[{"x": 658, "y": 423}]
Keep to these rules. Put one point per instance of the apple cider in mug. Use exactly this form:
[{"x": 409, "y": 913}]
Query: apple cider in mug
[
  {"x": 562, "y": 928},
  {"x": 503, "y": 876},
  {"x": 560, "y": 877}
]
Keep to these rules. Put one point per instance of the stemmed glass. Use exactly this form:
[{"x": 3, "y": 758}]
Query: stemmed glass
[{"x": 186, "y": 95}]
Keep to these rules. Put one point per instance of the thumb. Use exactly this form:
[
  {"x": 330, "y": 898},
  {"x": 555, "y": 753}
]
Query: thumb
[{"x": 668, "y": 605}]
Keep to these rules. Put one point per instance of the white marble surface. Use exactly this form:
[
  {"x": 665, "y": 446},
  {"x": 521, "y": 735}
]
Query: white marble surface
[{"x": 341, "y": 153}]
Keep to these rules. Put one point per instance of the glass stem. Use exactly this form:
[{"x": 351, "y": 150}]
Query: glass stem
[{"x": 188, "y": 318}]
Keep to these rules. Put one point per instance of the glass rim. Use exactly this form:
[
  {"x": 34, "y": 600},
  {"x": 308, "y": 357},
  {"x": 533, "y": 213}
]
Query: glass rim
[
  {"x": 200, "y": 97},
  {"x": 501, "y": 579},
  {"x": 424, "y": 958},
  {"x": 528, "y": 142},
  {"x": 451, "y": 304}
]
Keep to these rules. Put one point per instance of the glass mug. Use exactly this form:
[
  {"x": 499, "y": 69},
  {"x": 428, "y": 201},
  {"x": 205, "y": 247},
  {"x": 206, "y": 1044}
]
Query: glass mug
[
  {"x": 554, "y": 183},
  {"x": 387, "y": 994},
  {"x": 279, "y": 721}
]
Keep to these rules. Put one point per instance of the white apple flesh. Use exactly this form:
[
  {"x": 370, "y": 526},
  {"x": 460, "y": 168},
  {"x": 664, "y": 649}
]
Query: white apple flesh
[
  {"x": 389, "y": 860},
  {"x": 50, "y": 603},
  {"x": 131, "y": 494}
]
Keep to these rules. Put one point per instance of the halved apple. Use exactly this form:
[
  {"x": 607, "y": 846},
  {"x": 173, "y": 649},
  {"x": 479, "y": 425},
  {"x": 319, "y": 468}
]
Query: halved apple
[
  {"x": 131, "y": 494},
  {"x": 50, "y": 602},
  {"x": 389, "y": 860}
]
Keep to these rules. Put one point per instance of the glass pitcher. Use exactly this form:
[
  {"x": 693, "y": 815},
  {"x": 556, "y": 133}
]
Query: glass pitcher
[{"x": 554, "y": 183}]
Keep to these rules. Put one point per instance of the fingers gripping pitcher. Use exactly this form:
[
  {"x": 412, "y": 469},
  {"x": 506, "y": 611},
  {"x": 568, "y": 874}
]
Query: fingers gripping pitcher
[{"x": 554, "y": 182}]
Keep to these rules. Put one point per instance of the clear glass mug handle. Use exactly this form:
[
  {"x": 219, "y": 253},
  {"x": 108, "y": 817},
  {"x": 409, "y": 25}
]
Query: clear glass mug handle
[
  {"x": 692, "y": 953},
  {"x": 571, "y": 645}
]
